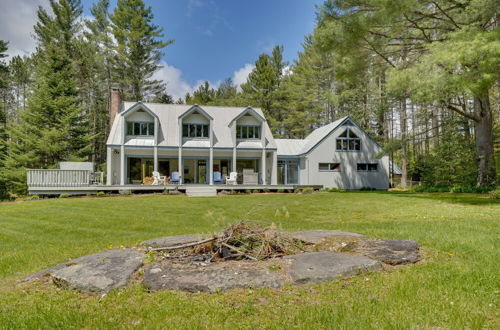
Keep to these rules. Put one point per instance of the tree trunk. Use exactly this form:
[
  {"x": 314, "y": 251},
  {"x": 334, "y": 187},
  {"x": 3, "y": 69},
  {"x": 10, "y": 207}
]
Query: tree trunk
[
  {"x": 484, "y": 141},
  {"x": 404, "y": 160}
]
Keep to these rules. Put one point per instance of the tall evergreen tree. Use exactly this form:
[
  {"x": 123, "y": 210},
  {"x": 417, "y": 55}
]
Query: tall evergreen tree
[
  {"x": 54, "y": 126},
  {"x": 138, "y": 49},
  {"x": 3, "y": 114}
]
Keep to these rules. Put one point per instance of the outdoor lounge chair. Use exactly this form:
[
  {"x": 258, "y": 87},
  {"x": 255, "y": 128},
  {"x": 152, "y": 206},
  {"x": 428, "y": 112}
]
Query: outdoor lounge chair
[
  {"x": 158, "y": 178},
  {"x": 231, "y": 179},
  {"x": 217, "y": 178},
  {"x": 175, "y": 178}
]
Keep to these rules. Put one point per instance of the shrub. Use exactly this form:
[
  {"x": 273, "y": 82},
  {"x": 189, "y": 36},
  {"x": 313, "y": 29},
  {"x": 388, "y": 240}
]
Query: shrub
[
  {"x": 63, "y": 195},
  {"x": 495, "y": 194},
  {"x": 255, "y": 191},
  {"x": 367, "y": 189},
  {"x": 100, "y": 193},
  {"x": 334, "y": 189},
  {"x": 31, "y": 197},
  {"x": 297, "y": 190},
  {"x": 307, "y": 190},
  {"x": 266, "y": 190},
  {"x": 125, "y": 192},
  {"x": 248, "y": 191},
  {"x": 281, "y": 190}
]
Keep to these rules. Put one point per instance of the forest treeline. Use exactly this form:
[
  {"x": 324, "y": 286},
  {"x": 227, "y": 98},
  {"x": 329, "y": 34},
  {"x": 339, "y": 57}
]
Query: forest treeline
[{"x": 422, "y": 77}]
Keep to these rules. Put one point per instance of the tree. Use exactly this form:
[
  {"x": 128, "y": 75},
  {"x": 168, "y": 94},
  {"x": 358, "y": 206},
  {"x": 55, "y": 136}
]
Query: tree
[
  {"x": 54, "y": 126},
  {"x": 3, "y": 114},
  {"x": 435, "y": 51},
  {"x": 163, "y": 97},
  {"x": 138, "y": 49}
]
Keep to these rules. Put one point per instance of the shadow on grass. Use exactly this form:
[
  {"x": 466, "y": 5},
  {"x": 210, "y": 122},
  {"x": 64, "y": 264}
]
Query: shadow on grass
[{"x": 453, "y": 198}]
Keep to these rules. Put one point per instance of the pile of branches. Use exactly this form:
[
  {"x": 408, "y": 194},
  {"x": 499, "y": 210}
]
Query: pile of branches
[{"x": 240, "y": 241}]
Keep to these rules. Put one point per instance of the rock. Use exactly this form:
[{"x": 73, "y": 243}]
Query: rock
[
  {"x": 328, "y": 266},
  {"x": 392, "y": 252},
  {"x": 211, "y": 278},
  {"x": 317, "y": 236},
  {"x": 100, "y": 272},
  {"x": 174, "y": 240}
]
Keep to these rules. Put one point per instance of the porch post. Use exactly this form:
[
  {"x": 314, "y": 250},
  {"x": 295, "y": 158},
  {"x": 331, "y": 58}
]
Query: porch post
[
  {"x": 263, "y": 166},
  {"x": 181, "y": 170},
  {"x": 109, "y": 175},
  {"x": 234, "y": 160},
  {"x": 211, "y": 168},
  {"x": 155, "y": 155},
  {"x": 122, "y": 165},
  {"x": 274, "y": 169}
]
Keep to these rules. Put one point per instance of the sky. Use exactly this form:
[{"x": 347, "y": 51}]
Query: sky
[{"x": 213, "y": 39}]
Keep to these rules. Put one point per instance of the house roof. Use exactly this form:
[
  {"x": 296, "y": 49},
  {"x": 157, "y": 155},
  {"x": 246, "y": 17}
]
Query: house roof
[
  {"x": 298, "y": 147},
  {"x": 168, "y": 117}
]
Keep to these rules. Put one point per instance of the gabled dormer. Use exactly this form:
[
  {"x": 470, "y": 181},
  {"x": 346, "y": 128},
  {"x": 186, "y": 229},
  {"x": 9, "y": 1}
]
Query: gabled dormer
[
  {"x": 195, "y": 124},
  {"x": 139, "y": 122},
  {"x": 248, "y": 126}
]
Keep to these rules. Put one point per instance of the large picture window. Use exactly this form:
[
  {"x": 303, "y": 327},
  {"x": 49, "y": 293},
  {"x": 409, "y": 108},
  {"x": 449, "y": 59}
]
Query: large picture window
[
  {"x": 135, "y": 128},
  {"x": 348, "y": 141},
  {"x": 247, "y": 132},
  {"x": 367, "y": 167},
  {"x": 195, "y": 130}
]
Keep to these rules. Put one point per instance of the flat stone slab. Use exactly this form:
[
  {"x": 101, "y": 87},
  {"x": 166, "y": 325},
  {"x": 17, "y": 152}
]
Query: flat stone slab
[
  {"x": 212, "y": 278},
  {"x": 317, "y": 267},
  {"x": 392, "y": 252},
  {"x": 174, "y": 240},
  {"x": 98, "y": 273},
  {"x": 318, "y": 236}
]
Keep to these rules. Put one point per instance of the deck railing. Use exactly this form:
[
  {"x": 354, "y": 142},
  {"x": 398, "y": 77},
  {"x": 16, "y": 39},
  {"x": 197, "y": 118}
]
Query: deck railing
[{"x": 63, "y": 178}]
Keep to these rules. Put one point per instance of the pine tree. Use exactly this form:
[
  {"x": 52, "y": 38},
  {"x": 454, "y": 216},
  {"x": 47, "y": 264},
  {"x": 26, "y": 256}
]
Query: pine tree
[
  {"x": 138, "y": 49},
  {"x": 3, "y": 115},
  {"x": 54, "y": 126}
]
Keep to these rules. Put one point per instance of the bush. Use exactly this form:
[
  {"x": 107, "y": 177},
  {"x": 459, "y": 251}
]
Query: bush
[
  {"x": 248, "y": 191},
  {"x": 255, "y": 191},
  {"x": 495, "y": 194},
  {"x": 307, "y": 190},
  {"x": 63, "y": 195},
  {"x": 281, "y": 190},
  {"x": 100, "y": 193},
  {"x": 471, "y": 189},
  {"x": 266, "y": 190},
  {"x": 31, "y": 197},
  {"x": 297, "y": 190},
  {"x": 334, "y": 189},
  {"x": 367, "y": 189}
]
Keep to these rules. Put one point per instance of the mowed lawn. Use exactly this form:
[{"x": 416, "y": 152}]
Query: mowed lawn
[{"x": 457, "y": 285}]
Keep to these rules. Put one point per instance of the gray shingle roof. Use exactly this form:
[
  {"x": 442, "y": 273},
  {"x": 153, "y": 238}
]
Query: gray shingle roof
[{"x": 168, "y": 115}]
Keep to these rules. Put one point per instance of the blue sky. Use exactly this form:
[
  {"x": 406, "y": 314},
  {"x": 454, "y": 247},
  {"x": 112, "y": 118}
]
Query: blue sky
[{"x": 214, "y": 39}]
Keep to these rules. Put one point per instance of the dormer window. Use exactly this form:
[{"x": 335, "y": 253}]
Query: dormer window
[
  {"x": 348, "y": 141},
  {"x": 247, "y": 132},
  {"x": 195, "y": 130},
  {"x": 135, "y": 128}
]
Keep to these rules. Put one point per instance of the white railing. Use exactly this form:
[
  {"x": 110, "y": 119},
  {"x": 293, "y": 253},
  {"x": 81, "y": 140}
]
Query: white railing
[{"x": 63, "y": 178}]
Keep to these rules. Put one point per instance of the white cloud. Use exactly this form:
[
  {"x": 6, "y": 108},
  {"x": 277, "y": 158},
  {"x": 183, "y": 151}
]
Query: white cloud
[
  {"x": 17, "y": 19},
  {"x": 240, "y": 76}
]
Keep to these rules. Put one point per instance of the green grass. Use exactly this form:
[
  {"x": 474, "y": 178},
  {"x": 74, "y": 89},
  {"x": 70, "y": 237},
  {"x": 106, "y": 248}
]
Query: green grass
[{"x": 456, "y": 286}]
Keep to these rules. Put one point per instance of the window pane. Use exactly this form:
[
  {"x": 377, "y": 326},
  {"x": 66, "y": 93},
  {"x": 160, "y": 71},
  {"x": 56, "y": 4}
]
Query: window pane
[
  {"x": 130, "y": 128},
  {"x": 372, "y": 167},
  {"x": 352, "y": 135},
  {"x": 257, "y": 132},
  {"x": 192, "y": 130},
  {"x": 344, "y": 145},
  {"x": 198, "y": 130},
  {"x": 335, "y": 167},
  {"x": 238, "y": 132},
  {"x": 292, "y": 173},
  {"x": 185, "y": 130},
  {"x": 137, "y": 129},
  {"x": 151, "y": 129},
  {"x": 344, "y": 134},
  {"x": 339, "y": 144},
  {"x": 324, "y": 166},
  {"x": 357, "y": 145},
  {"x": 205, "y": 130},
  {"x": 144, "y": 128},
  {"x": 361, "y": 167}
]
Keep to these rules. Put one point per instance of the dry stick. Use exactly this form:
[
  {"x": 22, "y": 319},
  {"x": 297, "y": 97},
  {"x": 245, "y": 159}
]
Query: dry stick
[
  {"x": 235, "y": 249},
  {"x": 176, "y": 247}
]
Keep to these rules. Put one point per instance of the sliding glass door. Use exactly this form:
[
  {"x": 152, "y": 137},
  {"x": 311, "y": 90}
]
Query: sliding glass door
[{"x": 288, "y": 172}]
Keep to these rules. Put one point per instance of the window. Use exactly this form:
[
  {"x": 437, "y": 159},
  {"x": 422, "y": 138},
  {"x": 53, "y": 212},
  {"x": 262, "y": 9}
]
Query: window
[
  {"x": 140, "y": 128},
  {"x": 195, "y": 130},
  {"x": 247, "y": 132},
  {"x": 329, "y": 167},
  {"x": 348, "y": 141},
  {"x": 367, "y": 167}
]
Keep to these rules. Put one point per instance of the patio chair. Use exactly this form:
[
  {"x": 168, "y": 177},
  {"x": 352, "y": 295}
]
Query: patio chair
[
  {"x": 217, "y": 178},
  {"x": 158, "y": 178},
  {"x": 231, "y": 179},
  {"x": 175, "y": 178}
]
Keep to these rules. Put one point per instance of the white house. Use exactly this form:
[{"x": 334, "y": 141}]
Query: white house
[{"x": 200, "y": 142}]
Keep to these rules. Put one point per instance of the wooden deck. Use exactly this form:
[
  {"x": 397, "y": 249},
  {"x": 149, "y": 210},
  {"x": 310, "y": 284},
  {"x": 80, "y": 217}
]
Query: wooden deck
[{"x": 133, "y": 188}]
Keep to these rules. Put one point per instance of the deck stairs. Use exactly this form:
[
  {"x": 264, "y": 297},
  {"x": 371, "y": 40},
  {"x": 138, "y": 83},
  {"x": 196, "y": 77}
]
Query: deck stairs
[{"x": 202, "y": 190}]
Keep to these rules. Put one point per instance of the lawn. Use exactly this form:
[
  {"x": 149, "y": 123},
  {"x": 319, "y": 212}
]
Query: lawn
[{"x": 457, "y": 285}]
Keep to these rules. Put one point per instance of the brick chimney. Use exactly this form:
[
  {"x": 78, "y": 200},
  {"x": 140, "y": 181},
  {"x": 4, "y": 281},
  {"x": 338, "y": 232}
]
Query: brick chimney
[{"x": 116, "y": 103}]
